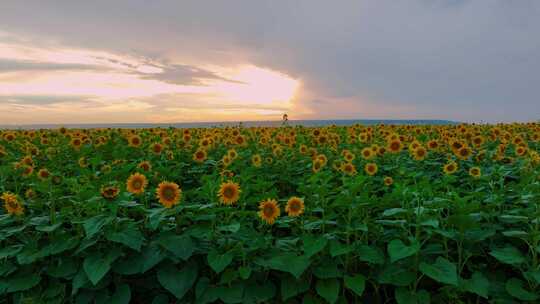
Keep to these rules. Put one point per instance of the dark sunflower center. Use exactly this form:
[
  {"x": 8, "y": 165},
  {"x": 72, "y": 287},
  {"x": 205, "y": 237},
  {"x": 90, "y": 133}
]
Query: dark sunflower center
[
  {"x": 168, "y": 193},
  {"x": 228, "y": 192},
  {"x": 268, "y": 210}
]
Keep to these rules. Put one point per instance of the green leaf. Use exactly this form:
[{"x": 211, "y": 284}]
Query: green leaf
[
  {"x": 7, "y": 252},
  {"x": 477, "y": 284},
  {"x": 405, "y": 296},
  {"x": 151, "y": 255},
  {"x": 287, "y": 262},
  {"x": 22, "y": 282},
  {"x": 515, "y": 288},
  {"x": 233, "y": 228},
  {"x": 218, "y": 261},
  {"x": 291, "y": 287},
  {"x": 131, "y": 237},
  {"x": 97, "y": 265},
  {"x": 508, "y": 255},
  {"x": 313, "y": 244},
  {"x": 49, "y": 228},
  {"x": 181, "y": 246},
  {"x": 122, "y": 295},
  {"x": 369, "y": 254},
  {"x": 79, "y": 280},
  {"x": 160, "y": 299},
  {"x": 245, "y": 272},
  {"x": 337, "y": 248},
  {"x": 355, "y": 283},
  {"x": 328, "y": 289},
  {"x": 442, "y": 271},
  {"x": 259, "y": 293},
  {"x": 232, "y": 294},
  {"x": 177, "y": 282},
  {"x": 327, "y": 270},
  {"x": 93, "y": 225},
  {"x": 398, "y": 250}
]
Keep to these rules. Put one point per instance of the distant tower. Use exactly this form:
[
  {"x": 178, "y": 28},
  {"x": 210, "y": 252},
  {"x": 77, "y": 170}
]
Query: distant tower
[{"x": 285, "y": 119}]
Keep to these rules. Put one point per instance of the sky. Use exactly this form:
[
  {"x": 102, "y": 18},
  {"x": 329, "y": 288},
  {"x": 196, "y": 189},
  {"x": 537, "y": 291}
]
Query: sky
[{"x": 165, "y": 61}]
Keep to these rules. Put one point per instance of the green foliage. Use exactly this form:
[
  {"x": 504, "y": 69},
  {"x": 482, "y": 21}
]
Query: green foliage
[{"x": 427, "y": 238}]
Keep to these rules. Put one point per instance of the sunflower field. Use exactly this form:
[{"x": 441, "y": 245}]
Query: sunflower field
[{"x": 290, "y": 214}]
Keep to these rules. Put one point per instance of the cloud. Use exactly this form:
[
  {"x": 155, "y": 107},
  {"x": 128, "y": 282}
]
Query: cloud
[{"x": 451, "y": 59}]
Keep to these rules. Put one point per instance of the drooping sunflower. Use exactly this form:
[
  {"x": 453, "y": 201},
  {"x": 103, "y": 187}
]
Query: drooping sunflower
[
  {"x": 12, "y": 204},
  {"x": 295, "y": 206},
  {"x": 199, "y": 155},
  {"x": 269, "y": 211},
  {"x": 371, "y": 168},
  {"x": 450, "y": 168},
  {"x": 136, "y": 183},
  {"x": 229, "y": 193},
  {"x": 388, "y": 181},
  {"x": 27, "y": 170},
  {"x": 169, "y": 194},
  {"x": 475, "y": 172},
  {"x": 109, "y": 192}
]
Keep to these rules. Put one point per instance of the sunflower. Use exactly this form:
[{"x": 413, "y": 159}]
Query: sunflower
[
  {"x": 232, "y": 154},
  {"x": 199, "y": 155},
  {"x": 12, "y": 203},
  {"x": 394, "y": 146},
  {"x": 450, "y": 168},
  {"x": 135, "y": 141},
  {"x": 475, "y": 172},
  {"x": 145, "y": 166},
  {"x": 229, "y": 193},
  {"x": 109, "y": 192},
  {"x": 269, "y": 211},
  {"x": 388, "y": 181},
  {"x": 27, "y": 170},
  {"x": 464, "y": 152},
  {"x": 348, "y": 168},
  {"x": 136, "y": 183},
  {"x": 76, "y": 143},
  {"x": 157, "y": 148},
  {"x": 433, "y": 144},
  {"x": 295, "y": 206},
  {"x": 419, "y": 153},
  {"x": 82, "y": 162},
  {"x": 30, "y": 193},
  {"x": 521, "y": 151},
  {"x": 43, "y": 174},
  {"x": 367, "y": 153},
  {"x": 371, "y": 168},
  {"x": 169, "y": 194},
  {"x": 256, "y": 160},
  {"x": 317, "y": 166}
]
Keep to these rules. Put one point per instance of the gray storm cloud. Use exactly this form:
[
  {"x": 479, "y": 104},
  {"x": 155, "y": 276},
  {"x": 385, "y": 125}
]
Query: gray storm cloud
[{"x": 462, "y": 60}]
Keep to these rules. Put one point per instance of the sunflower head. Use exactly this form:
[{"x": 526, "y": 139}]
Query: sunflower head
[
  {"x": 169, "y": 194},
  {"x": 348, "y": 168},
  {"x": 135, "y": 141},
  {"x": 136, "y": 183},
  {"x": 43, "y": 174},
  {"x": 388, "y": 180},
  {"x": 295, "y": 206},
  {"x": 269, "y": 211},
  {"x": 475, "y": 172},
  {"x": 371, "y": 168},
  {"x": 145, "y": 166},
  {"x": 12, "y": 204},
  {"x": 394, "y": 146},
  {"x": 450, "y": 168},
  {"x": 199, "y": 155},
  {"x": 419, "y": 153},
  {"x": 109, "y": 192},
  {"x": 256, "y": 160},
  {"x": 229, "y": 193}
]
